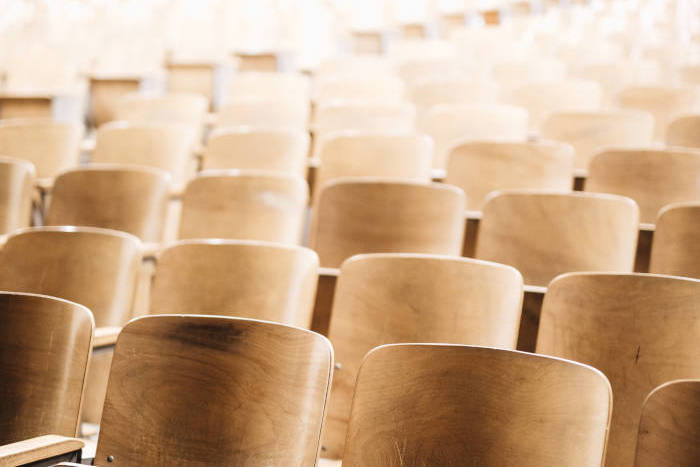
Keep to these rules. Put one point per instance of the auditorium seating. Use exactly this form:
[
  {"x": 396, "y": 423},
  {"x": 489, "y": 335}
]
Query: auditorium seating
[
  {"x": 684, "y": 131},
  {"x": 676, "y": 247},
  {"x": 16, "y": 193}
]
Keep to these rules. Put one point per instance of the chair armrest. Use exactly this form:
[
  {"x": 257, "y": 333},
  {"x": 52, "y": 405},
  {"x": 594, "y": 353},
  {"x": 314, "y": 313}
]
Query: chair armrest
[
  {"x": 151, "y": 250},
  {"x": 105, "y": 336},
  {"x": 39, "y": 448}
]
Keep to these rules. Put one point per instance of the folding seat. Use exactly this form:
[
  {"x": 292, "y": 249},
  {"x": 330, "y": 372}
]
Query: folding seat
[
  {"x": 669, "y": 427},
  {"x": 449, "y": 125},
  {"x": 121, "y": 197},
  {"x": 389, "y": 298},
  {"x": 440, "y": 91},
  {"x": 675, "y": 249},
  {"x": 437, "y": 404},
  {"x": 255, "y": 112},
  {"x": 375, "y": 215},
  {"x": 665, "y": 103},
  {"x": 248, "y": 205},
  {"x": 640, "y": 330},
  {"x": 684, "y": 131},
  {"x": 213, "y": 390},
  {"x": 16, "y": 193},
  {"x": 385, "y": 89},
  {"x": 276, "y": 150},
  {"x": 247, "y": 279},
  {"x": 653, "y": 178},
  {"x": 51, "y": 147},
  {"x": 592, "y": 132}
]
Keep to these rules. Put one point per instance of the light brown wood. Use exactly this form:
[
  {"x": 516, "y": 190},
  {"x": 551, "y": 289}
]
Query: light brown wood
[
  {"x": 37, "y": 449},
  {"x": 51, "y": 147},
  {"x": 270, "y": 85},
  {"x": 640, "y": 330},
  {"x": 427, "y": 94},
  {"x": 684, "y": 131},
  {"x": 436, "y": 404},
  {"x": 106, "y": 336},
  {"x": 186, "y": 77},
  {"x": 653, "y": 178},
  {"x": 367, "y": 42},
  {"x": 449, "y": 125},
  {"x": 690, "y": 75},
  {"x": 545, "y": 234},
  {"x": 592, "y": 132},
  {"x": 675, "y": 249},
  {"x": 369, "y": 215},
  {"x": 325, "y": 292},
  {"x": 482, "y": 167},
  {"x": 264, "y": 112},
  {"x": 277, "y": 150},
  {"x": 665, "y": 103},
  {"x": 182, "y": 108},
  {"x": 16, "y": 192},
  {"x": 388, "y": 298},
  {"x": 127, "y": 198},
  {"x": 105, "y": 93},
  {"x": 669, "y": 428},
  {"x": 244, "y": 205},
  {"x": 236, "y": 278},
  {"x": 206, "y": 390},
  {"x": 257, "y": 62},
  {"x": 26, "y": 107},
  {"x": 44, "y": 350}
]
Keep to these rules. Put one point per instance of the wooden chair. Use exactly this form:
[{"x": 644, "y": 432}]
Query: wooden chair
[
  {"x": 51, "y": 147},
  {"x": 276, "y": 150},
  {"x": 449, "y": 125},
  {"x": 192, "y": 77},
  {"x": 127, "y": 198},
  {"x": 482, "y": 167},
  {"x": 244, "y": 205},
  {"x": 544, "y": 234},
  {"x": 105, "y": 93},
  {"x": 16, "y": 193},
  {"x": 236, "y": 278},
  {"x": 640, "y": 330},
  {"x": 371, "y": 215},
  {"x": 653, "y": 178},
  {"x": 269, "y": 85},
  {"x": 388, "y": 298},
  {"x": 684, "y": 131},
  {"x": 437, "y": 404},
  {"x": 427, "y": 94},
  {"x": 675, "y": 248},
  {"x": 670, "y": 425},
  {"x": 264, "y": 112},
  {"x": 663, "y": 102},
  {"x": 592, "y": 132},
  {"x": 181, "y": 108},
  {"x": 45, "y": 343},
  {"x": 386, "y": 89},
  {"x": 263, "y": 61},
  {"x": 251, "y": 392}
]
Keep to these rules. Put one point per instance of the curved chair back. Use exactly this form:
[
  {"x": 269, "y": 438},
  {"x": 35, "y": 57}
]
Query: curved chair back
[
  {"x": 684, "y": 131},
  {"x": 675, "y": 248},
  {"x": 16, "y": 193}
]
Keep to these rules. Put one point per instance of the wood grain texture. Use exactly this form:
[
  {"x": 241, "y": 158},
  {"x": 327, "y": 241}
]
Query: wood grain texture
[
  {"x": 105, "y": 93},
  {"x": 482, "y": 167},
  {"x": 684, "y": 131},
  {"x": 205, "y": 390},
  {"x": 370, "y": 215},
  {"x": 250, "y": 205},
  {"x": 236, "y": 278},
  {"x": 94, "y": 267},
  {"x": 545, "y": 234},
  {"x": 45, "y": 345},
  {"x": 126, "y": 198},
  {"x": 675, "y": 249},
  {"x": 455, "y": 405},
  {"x": 640, "y": 330},
  {"x": 669, "y": 428},
  {"x": 16, "y": 191},
  {"x": 653, "y": 178},
  {"x": 592, "y": 132},
  {"x": 389, "y": 298},
  {"x": 37, "y": 449}
]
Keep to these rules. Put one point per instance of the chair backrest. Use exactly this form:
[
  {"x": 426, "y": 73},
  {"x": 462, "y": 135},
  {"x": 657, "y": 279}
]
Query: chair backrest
[
  {"x": 665, "y": 103},
  {"x": 95, "y": 267},
  {"x": 276, "y": 150},
  {"x": 236, "y": 278},
  {"x": 16, "y": 191},
  {"x": 640, "y": 330},
  {"x": 449, "y": 125},
  {"x": 684, "y": 131},
  {"x": 105, "y": 93},
  {"x": 545, "y": 234},
  {"x": 250, "y": 391},
  {"x": 592, "y": 132},
  {"x": 51, "y": 147},
  {"x": 389, "y": 298},
  {"x": 427, "y": 94},
  {"x": 128, "y": 198},
  {"x": 191, "y": 77},
  {"x": 669, "y": 428},
  {"x": 369, "y": 215},
  {"x": 351, "y": 154},
  {"x": 269, "y": 85},
  {"x": 543, "y": 99},
  {"x": 437, "y": 404},
  {"x": 675, "y": 248},
  {"x": 45, "y": 344},
  {"x": 244, "y": 205},
  {"x": 653, "y": 178},
  {"x": 182, "y": 108},
  {"x": 264, "y": 112},
  {"x": 162, "y": 146},
  {"x": 482, "y": 167},
  {"x": 387, "y": 89}
]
